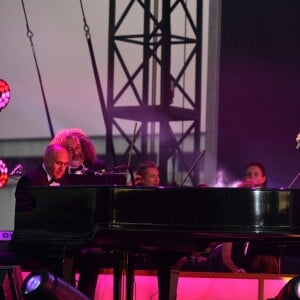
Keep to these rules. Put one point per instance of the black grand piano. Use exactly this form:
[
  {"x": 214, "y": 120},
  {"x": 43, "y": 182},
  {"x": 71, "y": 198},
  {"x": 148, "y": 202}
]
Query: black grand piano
[{"x": 165, "y": 222}]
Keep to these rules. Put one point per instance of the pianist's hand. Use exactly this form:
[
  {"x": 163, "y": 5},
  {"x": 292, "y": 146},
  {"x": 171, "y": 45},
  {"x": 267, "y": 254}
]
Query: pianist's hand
[
  {"x": 249, "y": 183},
  {"x": 240, "y": 271},
  {"x": 138, "y": 180}
]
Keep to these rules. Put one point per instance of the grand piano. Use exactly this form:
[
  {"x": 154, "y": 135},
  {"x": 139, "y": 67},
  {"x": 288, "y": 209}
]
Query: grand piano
[{"x": 164, "y": 222}]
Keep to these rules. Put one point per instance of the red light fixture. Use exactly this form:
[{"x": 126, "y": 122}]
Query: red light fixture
[
  {"x": 4, "y": 94},
  {"x": 3, "y": 174}
]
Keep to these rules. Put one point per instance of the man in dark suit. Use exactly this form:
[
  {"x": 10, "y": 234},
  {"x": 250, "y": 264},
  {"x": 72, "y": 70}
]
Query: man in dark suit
[
  {"x": 83, "y": 160},
  {"x": 49, "y": 173},
  {"x": 52, "y": 172}
]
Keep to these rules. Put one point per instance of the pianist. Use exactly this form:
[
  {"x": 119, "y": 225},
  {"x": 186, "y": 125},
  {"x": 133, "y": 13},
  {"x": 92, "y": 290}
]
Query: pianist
[
  {"x": 52, "y": 172},
  {"x": 49, "y": 173},
  {"x": 83, "y": 160}
]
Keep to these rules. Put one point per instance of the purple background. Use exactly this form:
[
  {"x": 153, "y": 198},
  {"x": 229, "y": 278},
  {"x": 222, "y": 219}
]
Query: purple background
[{"x": 260, "y": 88}]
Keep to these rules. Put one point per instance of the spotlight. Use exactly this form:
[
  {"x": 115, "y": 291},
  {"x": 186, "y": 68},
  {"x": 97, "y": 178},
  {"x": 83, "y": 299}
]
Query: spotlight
[
  {"x": 3, "y": 174},
  {"x": 290, "y": 291},
  {"x": 47, "y": 286},
  {"x": 4, "y": 94}
]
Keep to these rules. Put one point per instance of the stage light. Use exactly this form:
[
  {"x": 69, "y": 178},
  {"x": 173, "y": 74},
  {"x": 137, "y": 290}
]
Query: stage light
[
  {"x": 4, "y": 94},
  {"x": 290, "y": 291},
  {"x": 47, "y": 286},
  {"x": 3, "y": 174}
]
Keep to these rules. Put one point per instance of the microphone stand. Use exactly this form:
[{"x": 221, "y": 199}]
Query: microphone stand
[
  {"x": 173, "y": 168},
  {"x": 192, "y": 167},
  {"x": 130, "y": 155},
  {"x": 294, "y": 180},
  {"x": 173, "y": 153}
]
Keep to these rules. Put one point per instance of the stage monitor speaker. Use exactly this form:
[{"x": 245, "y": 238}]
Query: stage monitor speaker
[{"x": 10, "y": 283}]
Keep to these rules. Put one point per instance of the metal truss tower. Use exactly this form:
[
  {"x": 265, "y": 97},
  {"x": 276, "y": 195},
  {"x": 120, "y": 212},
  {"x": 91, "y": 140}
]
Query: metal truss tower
[{"x": 158, "y": 89}]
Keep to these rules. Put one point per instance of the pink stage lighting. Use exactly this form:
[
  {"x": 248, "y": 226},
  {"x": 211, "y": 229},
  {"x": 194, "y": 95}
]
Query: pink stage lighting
[{"x": 4, "y": 94}]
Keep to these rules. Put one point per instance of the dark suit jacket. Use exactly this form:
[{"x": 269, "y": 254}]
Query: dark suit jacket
[
  {"x": 46, "y": 255},
  {"x": 35, "y": 177}
]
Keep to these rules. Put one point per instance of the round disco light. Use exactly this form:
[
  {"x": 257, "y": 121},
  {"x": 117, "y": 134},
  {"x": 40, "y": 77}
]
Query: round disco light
[
  {"x": 3, "y": 174},
  {"x": 4, "y": 94}
]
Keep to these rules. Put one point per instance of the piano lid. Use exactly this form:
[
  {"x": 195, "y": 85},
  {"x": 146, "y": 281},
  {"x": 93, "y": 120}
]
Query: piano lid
[
  {"x": 208, "y": 209},
  {"x": 87, "y": 209}
]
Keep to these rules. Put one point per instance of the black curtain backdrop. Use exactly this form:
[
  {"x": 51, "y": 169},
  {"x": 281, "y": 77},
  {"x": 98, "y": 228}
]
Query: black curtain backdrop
[{"x": 260, "y": 88}]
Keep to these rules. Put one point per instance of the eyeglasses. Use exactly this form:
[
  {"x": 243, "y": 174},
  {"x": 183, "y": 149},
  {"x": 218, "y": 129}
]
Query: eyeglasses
[{"x": 74, "y": 149}]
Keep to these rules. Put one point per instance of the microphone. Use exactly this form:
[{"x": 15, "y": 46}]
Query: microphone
[
  {"x": 86, "y": 171},
  {"x": 117, "y": 168},
  {"x": 298, "y": 145},
  {"x": 18, "y": 169}
]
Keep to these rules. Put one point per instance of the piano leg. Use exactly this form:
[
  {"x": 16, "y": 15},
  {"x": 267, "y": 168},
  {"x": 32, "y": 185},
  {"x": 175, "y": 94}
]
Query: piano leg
[
  {"x": 167, "y": 276},
  {"x": 167, "y": 284},
  {"x": 129, "y": 276},
  {"x": 123, "y": 261},
  {"x": 118, "y": 265}
]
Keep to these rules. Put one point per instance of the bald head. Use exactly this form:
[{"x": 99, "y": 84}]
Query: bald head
[{"x": 56, "y": 160}]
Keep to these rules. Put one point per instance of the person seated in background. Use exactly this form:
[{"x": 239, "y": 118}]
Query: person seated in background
[
  {"x": 82, "y": 152},
  {"x": 198, "y": 260},
  {"x": 83, "y": 160},
  {"x": 255, "y": 176},
  {"x": 240, "y": 257},
  {"x": 147, "y": 174}
]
